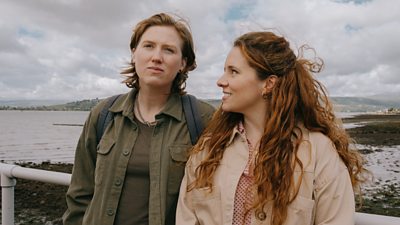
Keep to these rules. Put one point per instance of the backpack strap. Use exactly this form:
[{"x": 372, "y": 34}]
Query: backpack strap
[
  {"x": 193, "y": 118},
  {"x": 105, "y": 118}
]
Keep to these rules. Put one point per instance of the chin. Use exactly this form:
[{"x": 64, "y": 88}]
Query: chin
[{"x": 226, "y": 108}]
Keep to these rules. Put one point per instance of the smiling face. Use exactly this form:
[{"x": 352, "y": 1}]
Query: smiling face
[
  {"x": 242, "y": 89},
  {"x": 158, "y": 57}
]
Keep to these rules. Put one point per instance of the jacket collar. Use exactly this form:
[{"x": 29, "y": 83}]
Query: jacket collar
[
  {"x": 125, "y": 104},
  {"x": 304, "y": 131},
  {"x": 235, "y": 132}
]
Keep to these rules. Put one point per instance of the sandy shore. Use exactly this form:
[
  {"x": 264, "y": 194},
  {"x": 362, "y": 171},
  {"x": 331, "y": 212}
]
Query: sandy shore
[{"x": 39, "y": 203}]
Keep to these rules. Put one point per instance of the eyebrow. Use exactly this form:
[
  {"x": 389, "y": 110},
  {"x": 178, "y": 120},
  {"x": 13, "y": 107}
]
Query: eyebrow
[
  {"x": 164, "y": 45},
  {"x": 232, "y": 68}
]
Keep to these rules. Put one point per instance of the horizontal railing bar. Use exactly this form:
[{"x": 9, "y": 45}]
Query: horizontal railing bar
[
  {"x": 373, "y": 219},
  {"x": 35, "y": 174}
]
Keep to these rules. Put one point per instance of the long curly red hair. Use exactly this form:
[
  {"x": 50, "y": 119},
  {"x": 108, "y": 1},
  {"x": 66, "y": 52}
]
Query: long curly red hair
[{"x": 297, "y": 97}]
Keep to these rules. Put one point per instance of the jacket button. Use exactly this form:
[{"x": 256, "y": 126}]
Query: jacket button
[
  {"x": 262, "y": 216},
  {"x": 125, "y": 152},
  {"x": 110, "y": 212},
  {"x": 118, "y": 182}
]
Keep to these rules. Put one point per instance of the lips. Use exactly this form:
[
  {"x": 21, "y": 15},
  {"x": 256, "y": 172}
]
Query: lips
[
  {"x": 158, "y": 69},
  {"x": 226, "y": 95}
]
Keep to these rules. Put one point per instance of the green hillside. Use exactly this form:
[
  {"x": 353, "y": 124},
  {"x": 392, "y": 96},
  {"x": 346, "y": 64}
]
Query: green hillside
[{"x": 342, "y": 104}]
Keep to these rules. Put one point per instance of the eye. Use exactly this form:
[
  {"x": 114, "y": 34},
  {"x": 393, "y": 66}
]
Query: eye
[
  {"x": 234, "y": 71},
  {"x": 170, "y": 50},
  {"x": 147, "y": 45}
]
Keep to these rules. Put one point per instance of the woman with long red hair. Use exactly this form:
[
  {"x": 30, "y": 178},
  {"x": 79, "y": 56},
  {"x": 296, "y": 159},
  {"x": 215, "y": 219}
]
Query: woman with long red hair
[{"x": 273, "y": 153}]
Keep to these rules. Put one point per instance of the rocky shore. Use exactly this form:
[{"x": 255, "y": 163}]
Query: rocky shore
[
  {"x": 378, "y": 139},
  {"x": 40, "y": 203}
]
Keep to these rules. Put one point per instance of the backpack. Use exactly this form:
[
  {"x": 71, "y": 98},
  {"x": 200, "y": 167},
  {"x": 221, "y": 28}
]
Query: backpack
[{"x": 190, "y": 109}]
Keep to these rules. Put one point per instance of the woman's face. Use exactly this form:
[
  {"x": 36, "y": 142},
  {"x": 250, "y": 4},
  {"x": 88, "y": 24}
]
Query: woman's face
[
  {"x": 158, "y": 57},
  {"x": 242, "y": 89}
]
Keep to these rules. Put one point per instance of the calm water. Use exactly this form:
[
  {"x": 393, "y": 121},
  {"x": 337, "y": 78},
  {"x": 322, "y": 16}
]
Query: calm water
[{"x": 32, "y": 136}]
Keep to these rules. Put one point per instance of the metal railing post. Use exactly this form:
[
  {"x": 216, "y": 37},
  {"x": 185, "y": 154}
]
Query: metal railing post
[{"x": 7, "y": 199}]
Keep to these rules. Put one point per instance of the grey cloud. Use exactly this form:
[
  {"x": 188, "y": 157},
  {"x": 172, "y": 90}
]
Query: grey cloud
[{"x": 81, "y": 45}]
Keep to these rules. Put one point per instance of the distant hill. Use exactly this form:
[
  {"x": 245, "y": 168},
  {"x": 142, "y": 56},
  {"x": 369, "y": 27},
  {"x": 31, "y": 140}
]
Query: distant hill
[
  {"x": 84, "y": 105},
  {"x": 341, "y": 104},
  {"x": 30, "y": 103},
  {"x": 350, "y": 104},
  {"x": 358, "y": 104}
]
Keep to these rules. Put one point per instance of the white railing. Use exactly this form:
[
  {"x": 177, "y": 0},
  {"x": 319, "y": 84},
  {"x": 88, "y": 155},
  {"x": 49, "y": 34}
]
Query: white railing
[
  {"x": 10, "y": 172},
  {"x": 8, "y": 182}
]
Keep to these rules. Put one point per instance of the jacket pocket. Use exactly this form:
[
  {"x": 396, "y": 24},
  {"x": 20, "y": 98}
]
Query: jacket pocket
[
  {"x": 203, "y": 194},
  {"x": 208, "y": 206},
  {"x": 300, "y": 211},
  {"x": 103, "y": 150},
  {"x": 179, "y": 156}
]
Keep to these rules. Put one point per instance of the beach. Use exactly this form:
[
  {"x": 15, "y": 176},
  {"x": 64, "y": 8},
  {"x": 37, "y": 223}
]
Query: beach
[{"x": 377, "y": 137}]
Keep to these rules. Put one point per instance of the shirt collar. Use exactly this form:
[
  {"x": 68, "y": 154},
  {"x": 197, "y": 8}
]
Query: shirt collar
[
  {"x": 125, "y": 104},
  {"x": 173, "y": 107}
]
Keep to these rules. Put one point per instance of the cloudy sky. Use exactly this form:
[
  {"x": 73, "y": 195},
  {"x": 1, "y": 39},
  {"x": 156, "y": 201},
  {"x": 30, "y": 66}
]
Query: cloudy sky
[{"x": 74, "y": 49}]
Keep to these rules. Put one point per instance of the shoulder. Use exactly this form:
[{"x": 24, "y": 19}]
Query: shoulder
[
  {"x": 106, "y": 103},
  {"x": 205, "y": 107},
  {"x": 320, "y": 141},
  {"x": 328, "y": 164},
  {"x": 198, "y": 156},
  {"x": 206, "y": 110},
  {"x": 323, "y": 146},
  {"x": 101, "y": 105}
]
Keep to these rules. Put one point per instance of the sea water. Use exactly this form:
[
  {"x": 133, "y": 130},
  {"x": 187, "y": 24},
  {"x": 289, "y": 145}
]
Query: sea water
[{"x": 37, "y": 136}]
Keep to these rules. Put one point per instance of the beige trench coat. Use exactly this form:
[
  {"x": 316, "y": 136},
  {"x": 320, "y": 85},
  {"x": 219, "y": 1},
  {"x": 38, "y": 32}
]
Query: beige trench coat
[{"x": 326, "y": 187}]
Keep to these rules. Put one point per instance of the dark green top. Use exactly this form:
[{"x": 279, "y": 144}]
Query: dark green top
[
  {"x": 134, "y": 202},
  {"x": 99, "y": 171}
]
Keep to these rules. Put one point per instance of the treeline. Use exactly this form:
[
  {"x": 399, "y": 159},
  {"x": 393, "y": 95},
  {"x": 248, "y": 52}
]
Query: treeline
[
  {"x": 341, "y": 104},
  {"x": 84, "y": 105}
]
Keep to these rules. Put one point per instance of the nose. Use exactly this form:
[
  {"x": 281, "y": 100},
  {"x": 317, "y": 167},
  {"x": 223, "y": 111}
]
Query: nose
[
  {"x": 157, "y": 56},
  {"x": 222, "y": 82}
]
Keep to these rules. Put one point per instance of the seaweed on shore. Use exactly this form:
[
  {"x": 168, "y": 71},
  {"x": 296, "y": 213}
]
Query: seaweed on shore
[
  {"x": 384, "y": 200},
  {"x": 377, "y": 133}
]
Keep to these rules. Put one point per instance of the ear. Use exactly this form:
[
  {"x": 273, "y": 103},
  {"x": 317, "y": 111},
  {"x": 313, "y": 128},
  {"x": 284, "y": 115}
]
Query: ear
[
  {"x": 183, "y": 64},
  {"x": 270, "y": 83}
]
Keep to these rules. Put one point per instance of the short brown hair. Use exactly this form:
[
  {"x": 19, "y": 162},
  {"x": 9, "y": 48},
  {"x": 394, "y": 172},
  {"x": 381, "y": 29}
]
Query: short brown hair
[{"x": 182, "y": 27}]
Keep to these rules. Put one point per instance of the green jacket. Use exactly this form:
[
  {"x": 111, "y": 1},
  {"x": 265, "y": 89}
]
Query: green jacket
[{"x": 99, "y": 171}]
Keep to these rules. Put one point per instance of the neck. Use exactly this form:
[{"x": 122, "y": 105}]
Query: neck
[
  {"x": 254, "y": 125},
  {"x": 149, "y": 103}
]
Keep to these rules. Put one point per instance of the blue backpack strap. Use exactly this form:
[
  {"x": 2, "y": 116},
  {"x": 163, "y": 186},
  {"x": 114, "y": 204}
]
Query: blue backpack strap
[
  {"x": 193, "y": 118},
  {"x": 105, "y": 118}
]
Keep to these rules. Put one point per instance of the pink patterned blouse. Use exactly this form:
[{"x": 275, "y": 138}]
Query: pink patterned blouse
[{"x": 243, "y": 195}]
